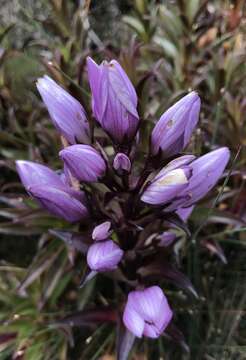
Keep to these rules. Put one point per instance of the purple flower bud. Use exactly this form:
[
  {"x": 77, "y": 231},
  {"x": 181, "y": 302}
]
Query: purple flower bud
[
  {"x": 104, "y": 256},
  {"x": 32, "y": 173},
  {"x": 173, "y": 131},
  {"x": 166, "y": 238},
  {"x": 59, "y": 202},
  {"x": 52, "y": 193},
  {"x": 102, "y": 231},
  {"x": 166, "y": 186},
  {"x": 114, "y": 100},
  {"x": 65, "y": 111},
  {"x": 122, "y": 163},
  {"x": 147, "y": 312},
  {"x": 206, "y": 171},
  {"x": 84, "y": 162}
]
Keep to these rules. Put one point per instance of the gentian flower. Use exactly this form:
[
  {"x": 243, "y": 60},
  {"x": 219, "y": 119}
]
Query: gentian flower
[
  {"x": 84, "y": 162},
  {"x": 122, "y": 163},
  {"x": 114, "y": 100},
  {"x": 66, "y": 112},
  {"x": 52, "y": 193},
  {"x": 173, "y": 131},
  {"x": 166, "y": 186},
  {"x": 104, "y": 256},
  {"x": 147, "y": 312},
  {"x": 102, "y": 231}
]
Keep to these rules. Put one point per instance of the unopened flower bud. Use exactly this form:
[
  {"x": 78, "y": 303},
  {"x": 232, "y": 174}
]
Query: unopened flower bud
[
  {"x": 114, "y": 100},
  {"x": 104, "y": 256},
  {"x": 84, "y": 162},
  {"x": 173, "y": 131},
  {"x": 102, "y": 231},
  {"x": 122, "y": 163},
  {"x": 65, "y": 111}
]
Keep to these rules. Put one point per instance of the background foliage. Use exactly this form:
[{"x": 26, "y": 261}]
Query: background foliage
[{"x": 166, "y": 47}]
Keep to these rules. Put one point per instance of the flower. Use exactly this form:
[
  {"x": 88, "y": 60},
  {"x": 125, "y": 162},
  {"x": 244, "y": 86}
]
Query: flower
[
  {"x": 114, "y": 100},
  {"x": 84, "y": 162},
  {"x": 65, "y": 111},
  {"x": 173, "y": 131},
  {"x": 147, "y": 312},
  {"x": 104, "y": 256},
  {"x": 166, "y": 185},
  {"x": 122, "y": 163},
  {"x": 53, "y": 194},
  {"x": 102, "y": 231}
]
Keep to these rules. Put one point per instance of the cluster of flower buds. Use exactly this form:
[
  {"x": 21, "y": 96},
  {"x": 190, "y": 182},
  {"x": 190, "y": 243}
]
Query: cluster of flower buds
[{"x": 118, "y": 202}]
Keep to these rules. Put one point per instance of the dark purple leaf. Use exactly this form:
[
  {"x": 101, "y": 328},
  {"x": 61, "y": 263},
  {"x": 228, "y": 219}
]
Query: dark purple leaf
[
  {"x": 215, "y": 249},
  {"x": 125, "y": 341},
  {"x": 163, "y": 270},
  {"x": 173, "y": 333},
  {"x": 174, "y": 219},
  {"x": 89, "y": 317},
  {"x": 72, "y": 239}
]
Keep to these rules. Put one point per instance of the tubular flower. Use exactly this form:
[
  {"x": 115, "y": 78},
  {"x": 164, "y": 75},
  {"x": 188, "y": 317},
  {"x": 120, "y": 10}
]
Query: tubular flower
[
  {"x": 66, "y": 112},
  {"x": 173, "y": 131},
  {"x": 122, "y": 163},
  {"x": 114, "y": 100},
  {"x": 84, "y": 162},
  {"x": 147, "y": 312},
  {"x": 166, "y": 186},
  {"x": 104, "y": 256},
  {"x": 53, "y": 194},
  {"x": 102, "y": 231}
]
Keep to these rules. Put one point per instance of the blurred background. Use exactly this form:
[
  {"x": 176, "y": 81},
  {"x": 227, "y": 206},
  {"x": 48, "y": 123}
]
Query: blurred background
[{"x": 166, "y": 47}]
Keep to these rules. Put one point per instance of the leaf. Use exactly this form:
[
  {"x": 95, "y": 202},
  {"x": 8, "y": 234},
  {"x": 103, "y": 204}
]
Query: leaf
[
  {"x": 169, "y": 48},
  {"x": 174, "y": 219},
  {"x": 160, "y": 269},
  {"x": 215, "y": 249},
  {"x": 89, "y": 317},
  {"x": 75, "y": 240},
  {"x": 173, "y": 333},
  {"x": 125, "y": 341}
]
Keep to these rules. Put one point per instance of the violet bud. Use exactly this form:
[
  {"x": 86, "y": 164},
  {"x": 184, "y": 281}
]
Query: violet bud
[
  {"x": 102, "y": 231},
  {"x": 122, "y": 163},
  {"x": 173, "y": 131},
  {"x": 114, "y": 100},
  {"x": 65, "y": 111},
  {"x": 206, "y": 171},
  {"x": 104, "y": 256},
  {"x": 84, "y": 162},
  {"x": 52, "y": 193},
  {"x": 59, "y": 202},
  {"x": 166, "y": 238},
  {"x": 32, "y": 173},
  {"x": 166, "y": 186},
  {"x": 147, "y": 312}
]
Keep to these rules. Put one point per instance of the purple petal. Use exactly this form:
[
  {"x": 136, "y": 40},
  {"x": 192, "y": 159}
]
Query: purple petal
[
  {"x": 167, "y": 238},
  {"x": 206, "y": 171},
  {"x": 184, "y": 213},
  {"x": 122, "y": 162},
  {"x": 84, "y": 162},
  {"x": 59, "y": 203},
  {"x": 165, "y": 188},
  {"x": 133, "y": 321},
  {"x": 104, "y": 256},
  {"x": 172, "y": 132},
  {"x": 65, "y": 111},
  {"x": 102, "y": 231},
  {"x": 32, "y": 173}
]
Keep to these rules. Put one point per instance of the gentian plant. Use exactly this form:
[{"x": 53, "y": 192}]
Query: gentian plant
[{"x": 127, "y": 207}]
